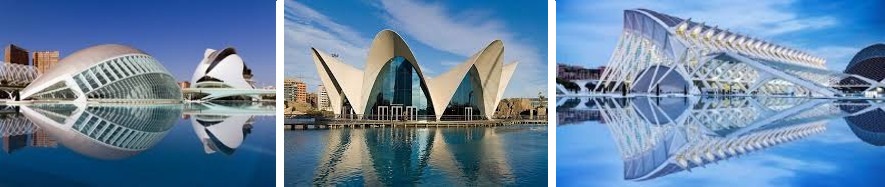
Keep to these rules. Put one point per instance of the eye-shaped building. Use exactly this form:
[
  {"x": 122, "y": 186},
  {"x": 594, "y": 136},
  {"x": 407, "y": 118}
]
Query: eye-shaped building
[
  {"x": 393, "y": 87},
  {"x": 105, "y": 73}
]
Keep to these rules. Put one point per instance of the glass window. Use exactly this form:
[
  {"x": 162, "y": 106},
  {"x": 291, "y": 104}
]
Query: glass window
[
  {"x": 115, "y": 67},
  {"x": 82, "y": 83},
  {"x": 399, "y": 85},
  {"x": 467, "y": 102}
]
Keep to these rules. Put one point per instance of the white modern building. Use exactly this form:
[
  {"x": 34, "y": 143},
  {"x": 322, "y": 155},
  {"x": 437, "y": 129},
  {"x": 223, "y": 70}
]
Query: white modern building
[
  {"x": 222, "y": 69},
  {"x": 392, "y": 86},
  {"x": 223, "y": 75},
  {"x": 105, "y": 73},
  {"x": 662, "y": 54},
  {"x": 17, "y": 75}
]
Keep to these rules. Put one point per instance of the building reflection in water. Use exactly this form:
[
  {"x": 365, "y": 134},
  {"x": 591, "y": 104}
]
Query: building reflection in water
[
  {"x": 17, "y": 132},
  {"x": 380, "y": 157},
  {"x": 660, "y": 136},
  {"x": 222, "y": 126},
  {"x": 120, "y": 131},
  {"x": 865, "y": 120},
  {"x": 107, "y": 131},
  {"x": 221, "y": 132}
]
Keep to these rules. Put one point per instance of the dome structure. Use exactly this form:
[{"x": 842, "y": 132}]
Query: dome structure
[
  {"x": 869, "y": 63},
  {"x": 105, "y": 73}
]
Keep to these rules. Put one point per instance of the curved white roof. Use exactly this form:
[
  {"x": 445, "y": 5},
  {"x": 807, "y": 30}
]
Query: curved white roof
[
  {"x": 356, "y": 85},
  {"x": 78, "y": 62},
  {"x": 225, "y": 66}
]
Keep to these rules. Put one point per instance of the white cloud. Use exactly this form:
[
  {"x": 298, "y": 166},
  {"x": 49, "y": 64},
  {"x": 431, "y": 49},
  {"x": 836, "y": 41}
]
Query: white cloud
[
  {"x": 758, "y": 19},
  {"x": 591, "y": 37},
  {"x": 450, "y": 64},
  {"x": 466, "y": 33},
  {"x": 306, "y": 28},
  {"x": 837, "y": 56},
  {"x": 299, "y": 13}
]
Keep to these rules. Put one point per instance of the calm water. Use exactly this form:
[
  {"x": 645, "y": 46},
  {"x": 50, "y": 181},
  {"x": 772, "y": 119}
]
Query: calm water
[
  {"x": 137, "y": 145},
  {"x": 424, "y": 156},
  {"x": 739, "y": 141}
]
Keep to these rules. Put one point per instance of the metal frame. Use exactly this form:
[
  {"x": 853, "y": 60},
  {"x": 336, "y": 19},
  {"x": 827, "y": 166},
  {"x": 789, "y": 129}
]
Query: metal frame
[{"x": 711, "y": 60}]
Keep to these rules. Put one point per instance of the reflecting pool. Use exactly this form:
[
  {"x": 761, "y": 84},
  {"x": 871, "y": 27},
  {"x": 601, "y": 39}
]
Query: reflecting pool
[
  {"x": 209, "y": 144},
  {"x": 719, "y": 141},
  {"x": 457, "y": 156}
]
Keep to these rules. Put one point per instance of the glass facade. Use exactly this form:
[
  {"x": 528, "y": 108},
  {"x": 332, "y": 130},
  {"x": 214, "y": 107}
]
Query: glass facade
[
  {"x": 57, "y": 91},
  {"x": 467, "y": 102},
  {"x": 126, "y": 77},
  {"x": 399, "y": 91}
]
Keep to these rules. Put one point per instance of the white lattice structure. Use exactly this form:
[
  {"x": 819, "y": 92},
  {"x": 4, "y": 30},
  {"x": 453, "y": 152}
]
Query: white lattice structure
[
  {"x": 16, "y": 75},
  {"x": 15, "y": 126},
  {"x": 659, "y": 53}
]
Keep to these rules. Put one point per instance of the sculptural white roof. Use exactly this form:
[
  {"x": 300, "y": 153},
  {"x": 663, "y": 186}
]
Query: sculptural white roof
[
  {"x": 345, "y": 81},
  {"x": 108, "y": 72},
  {"x": 222, "y": 68}
]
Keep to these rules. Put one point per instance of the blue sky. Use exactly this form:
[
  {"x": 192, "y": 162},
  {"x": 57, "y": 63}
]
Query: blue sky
[
  {"x": 175, "y": 32},
  {"x": 836, "y": 30},
  {"x": 440, "y": 34}
]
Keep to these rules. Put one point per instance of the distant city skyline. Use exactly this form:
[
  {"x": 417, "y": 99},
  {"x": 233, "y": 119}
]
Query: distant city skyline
[{"x": 176, "y": 33}]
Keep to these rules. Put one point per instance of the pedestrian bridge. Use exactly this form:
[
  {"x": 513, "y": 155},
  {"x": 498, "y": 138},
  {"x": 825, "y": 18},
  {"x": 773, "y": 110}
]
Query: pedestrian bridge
[
  {"x": 229, "y": 109},
  {"x": 207, "y": 94}
]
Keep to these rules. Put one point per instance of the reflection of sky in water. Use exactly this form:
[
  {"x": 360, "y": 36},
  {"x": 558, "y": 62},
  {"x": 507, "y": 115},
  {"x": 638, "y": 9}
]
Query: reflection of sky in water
[
  {"x": 178, "y": 158},
  {"x": 588, "y": 156},
  {"x": 484, "y": 156}
]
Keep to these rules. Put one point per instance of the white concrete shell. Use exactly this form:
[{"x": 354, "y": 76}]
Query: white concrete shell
[
  {"x": 110, "y": 72},
  {"x": 222, "y": 68},
  {"x": 345, "y": 81}
]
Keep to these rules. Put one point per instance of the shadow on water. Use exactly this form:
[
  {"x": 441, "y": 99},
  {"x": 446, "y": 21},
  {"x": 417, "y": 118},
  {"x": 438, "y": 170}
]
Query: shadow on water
[{"x": 660, "y": 136}]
